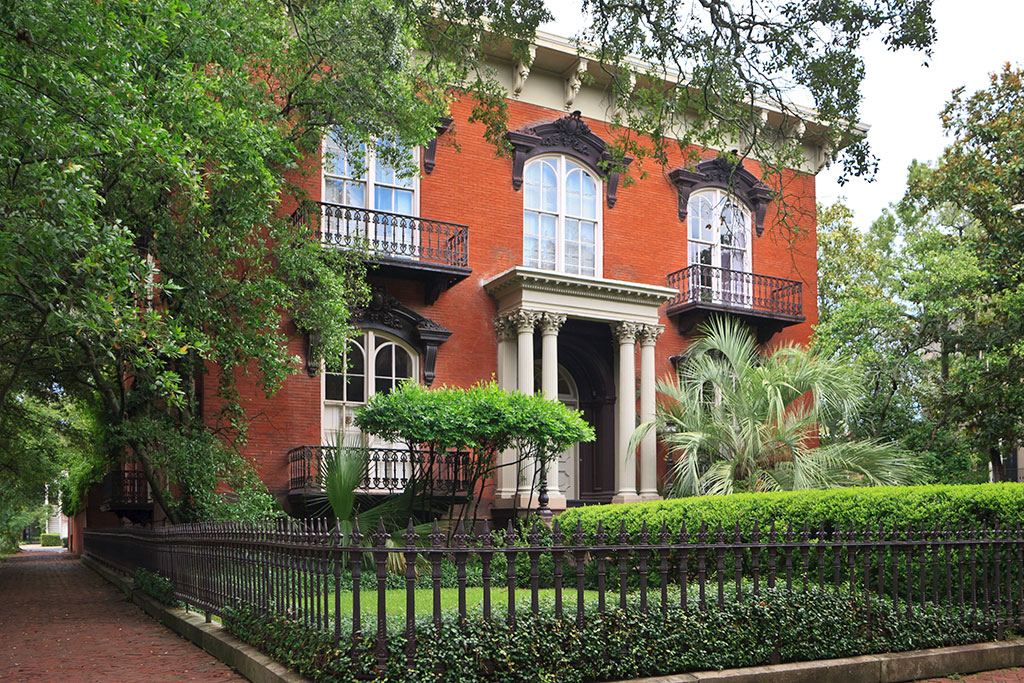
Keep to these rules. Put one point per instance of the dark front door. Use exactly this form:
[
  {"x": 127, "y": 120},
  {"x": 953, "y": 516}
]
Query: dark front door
[{"x": 585, "y": 350}]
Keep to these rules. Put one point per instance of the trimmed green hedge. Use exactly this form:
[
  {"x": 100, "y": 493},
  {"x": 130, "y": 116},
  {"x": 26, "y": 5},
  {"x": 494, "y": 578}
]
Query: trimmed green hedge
[
  {"x": 156, "y": 587},
  {"x": 789, "y": 625},
  {"x": 49, "y": 540},
  {"x": 981, "y": 505}
]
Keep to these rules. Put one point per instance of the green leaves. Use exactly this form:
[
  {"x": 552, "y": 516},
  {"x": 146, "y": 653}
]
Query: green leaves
[
  {"x": 737, "y": 419},
  {"x": 483, "y": 418}
]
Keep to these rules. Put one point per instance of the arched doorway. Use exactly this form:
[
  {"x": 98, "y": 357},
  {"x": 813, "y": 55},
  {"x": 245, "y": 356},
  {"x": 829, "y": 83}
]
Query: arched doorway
[{"x": 585, "y": 353}]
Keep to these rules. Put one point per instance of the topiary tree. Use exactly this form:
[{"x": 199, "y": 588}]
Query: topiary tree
[{"x": 483, "y": 419}]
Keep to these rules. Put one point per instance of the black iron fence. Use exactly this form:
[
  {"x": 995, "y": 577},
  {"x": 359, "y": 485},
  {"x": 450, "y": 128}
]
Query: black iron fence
[
  {"x": 305, "y": 569},
  {"x": 388, "y": 235},
  {"x": 388, "y": 470},
  {"x": 735, "y": 289}
]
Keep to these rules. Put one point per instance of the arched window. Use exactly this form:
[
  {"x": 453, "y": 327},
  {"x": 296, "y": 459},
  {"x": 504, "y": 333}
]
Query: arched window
[
  {"x": 561, "y": 217},
  {"x": 719, "y": 245},
  {"x": 374, "y": 363}
]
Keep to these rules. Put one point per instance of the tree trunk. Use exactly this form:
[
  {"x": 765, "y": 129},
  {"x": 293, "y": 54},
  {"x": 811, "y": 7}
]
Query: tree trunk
[
  {"x": 142, "y": 455},
  {"x": 996, "y": 460}
]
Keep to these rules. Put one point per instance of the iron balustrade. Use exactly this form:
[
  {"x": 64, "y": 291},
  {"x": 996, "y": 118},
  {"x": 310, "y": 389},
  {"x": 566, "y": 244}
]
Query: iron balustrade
[
  {"x": 388, "y": 470},
  {"x": 387, "y": 235},
  {"x": 123, "y": 488},
  {"x": 737, "y": 290},
  {"x": 294, "y": 568}
]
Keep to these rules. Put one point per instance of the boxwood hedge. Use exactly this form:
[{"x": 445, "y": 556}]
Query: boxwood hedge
[
  {"x": 980, "y": 505},
  {"x": 775, "y": 625},
  {"x": 49, "y": 540}
]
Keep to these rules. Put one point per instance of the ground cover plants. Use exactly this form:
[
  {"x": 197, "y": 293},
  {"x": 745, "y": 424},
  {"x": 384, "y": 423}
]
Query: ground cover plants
[{"x": 775, "y": 625}]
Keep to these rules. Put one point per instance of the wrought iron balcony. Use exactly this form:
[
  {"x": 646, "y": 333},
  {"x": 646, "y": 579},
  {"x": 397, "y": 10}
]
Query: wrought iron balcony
[
  {"x": 767, "y": 303},
  {"x": 126, "y": 492},
  {"x": 433, "y": 252},
  {"x": 388, "y": 470}
]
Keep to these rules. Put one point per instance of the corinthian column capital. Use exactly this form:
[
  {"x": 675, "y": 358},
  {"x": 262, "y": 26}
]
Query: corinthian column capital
[
  {"x": 648, "y": 334},
  {"x": 625, "y": 332},
  {"x": 551, "y": 323},
  {"x": 523, "y": 320}
]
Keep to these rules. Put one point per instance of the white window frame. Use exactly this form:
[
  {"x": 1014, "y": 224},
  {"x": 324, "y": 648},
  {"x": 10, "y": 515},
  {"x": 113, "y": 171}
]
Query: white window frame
[
  {"x": 369, "y": 178},
  {"x": 718, "y": 198},
  {"x": 561, "y": 167},
  {"x": 368, "y": 340}
]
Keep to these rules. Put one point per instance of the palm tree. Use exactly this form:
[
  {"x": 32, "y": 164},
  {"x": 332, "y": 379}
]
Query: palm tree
[{"x": 735, "y": 419}]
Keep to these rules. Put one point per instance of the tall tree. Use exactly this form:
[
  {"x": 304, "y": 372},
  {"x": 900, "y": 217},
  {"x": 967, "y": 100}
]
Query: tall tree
[
  {"x": 893, "y": 299},
  {"x": 982, "y": 174}
]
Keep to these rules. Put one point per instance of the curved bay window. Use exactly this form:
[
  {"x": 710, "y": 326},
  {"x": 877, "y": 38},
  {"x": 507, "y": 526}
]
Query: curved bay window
[
  {"x": 719, "y": 244},
  {"x": 561, "y": 217}
]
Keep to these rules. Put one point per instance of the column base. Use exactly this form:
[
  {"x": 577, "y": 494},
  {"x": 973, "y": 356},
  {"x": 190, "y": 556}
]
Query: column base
[
  {"x": 650, "y": 496},
  {"x": 627, "y": 497}
]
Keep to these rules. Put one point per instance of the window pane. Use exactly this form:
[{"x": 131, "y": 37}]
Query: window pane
[
  {"x": 548, "y": 226},
  {"x": 403, "y": 202},
  {"x": 531, "y": 251},
  {"x": 589, "y": 202},
  {"x": 549, "y": 187},
  {"x": 588, "y": 232},
  {"x": 531, "y": 199},
  {"x": 334, "y": 191},
  {"x": 383, "y": 198},
  {"x": 356, "y": 358},
  {"x": 403, "y": 364},
  {"x": 355, "y": 194},
  {"x": 572, "y": 230},
  {"x": 701, "y": 218},
  {"x": 589, "y": 264},
  {"x": 334, "y": 387},
  {"x": 547, "y": 253},
  {"x": 530, "y": 223},
  {"x": 356, "y": 389}
]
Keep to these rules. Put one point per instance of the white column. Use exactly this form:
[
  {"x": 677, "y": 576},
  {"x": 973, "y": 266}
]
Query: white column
[
  {"x": 625, "y": 413},
  {"x": 524, "y": 322},
  {"x": 648, "y": 335},
  {"x": 505, "y": 331},
  {"x": 550, "y": 324}
]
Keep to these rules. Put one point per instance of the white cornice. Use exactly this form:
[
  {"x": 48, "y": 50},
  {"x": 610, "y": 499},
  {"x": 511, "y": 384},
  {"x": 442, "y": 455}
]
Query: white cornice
[{"x": 523, "y": 278}]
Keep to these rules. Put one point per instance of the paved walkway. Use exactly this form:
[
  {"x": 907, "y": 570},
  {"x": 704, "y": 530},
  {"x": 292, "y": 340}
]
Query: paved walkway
[{"x": 59, "y": 621}]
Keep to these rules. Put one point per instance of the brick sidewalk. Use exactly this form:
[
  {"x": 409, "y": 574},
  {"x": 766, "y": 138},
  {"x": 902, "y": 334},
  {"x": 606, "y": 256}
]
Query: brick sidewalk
[{"x": 60, "y": 621}]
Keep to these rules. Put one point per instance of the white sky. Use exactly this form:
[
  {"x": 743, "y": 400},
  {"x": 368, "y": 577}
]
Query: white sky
[{"x": 903, "y": 98}]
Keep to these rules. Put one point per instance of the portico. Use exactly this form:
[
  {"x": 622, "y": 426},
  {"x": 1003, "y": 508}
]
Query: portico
[{"x": 531, "y": 300}]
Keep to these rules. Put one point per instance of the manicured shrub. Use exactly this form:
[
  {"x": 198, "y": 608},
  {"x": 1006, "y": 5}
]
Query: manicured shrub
[
  {"x": 156, "y": 587},
  {"x": 790, "y": 625},
  {"x": 49, "y": 540},
  {"x": 888, "y": 507}
]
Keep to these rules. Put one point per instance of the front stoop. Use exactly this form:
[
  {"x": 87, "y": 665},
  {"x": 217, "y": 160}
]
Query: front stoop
[
  {"x": 886, "y": 668},
  {"x": 212, "y": 637}
]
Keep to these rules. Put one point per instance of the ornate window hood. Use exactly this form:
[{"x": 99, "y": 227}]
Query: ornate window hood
[
  {"x": 568, "y": 135},
  {"x": 727, "y": 176},
  {"x": 385, "y": 313}
]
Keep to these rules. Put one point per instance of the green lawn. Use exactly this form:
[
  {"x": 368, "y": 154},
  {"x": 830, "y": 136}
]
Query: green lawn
[{"x": 395, "y": 600}]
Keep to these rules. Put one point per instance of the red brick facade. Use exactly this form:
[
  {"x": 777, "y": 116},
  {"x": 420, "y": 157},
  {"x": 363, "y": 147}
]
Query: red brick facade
[{"x": 643, "y": 240}]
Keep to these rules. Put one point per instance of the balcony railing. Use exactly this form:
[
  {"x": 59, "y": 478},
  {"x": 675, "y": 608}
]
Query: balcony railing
[
  {"x": 386, "y": 235},
  {"x": 735, "y": 290},
  {"x": 126, "y": 492},
  {"x": 388, "y": 470}
]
